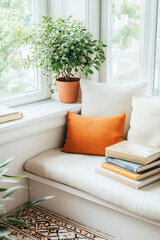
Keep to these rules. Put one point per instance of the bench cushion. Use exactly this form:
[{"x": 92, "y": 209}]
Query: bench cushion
[{"x": 78, "y": 171}]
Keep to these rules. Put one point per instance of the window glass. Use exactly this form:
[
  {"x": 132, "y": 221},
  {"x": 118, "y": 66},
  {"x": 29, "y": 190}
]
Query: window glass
[
  {"x": 125, "y": 40},
  {"x": 157, "y": 63},
  {"x": 16, "y": 18}
]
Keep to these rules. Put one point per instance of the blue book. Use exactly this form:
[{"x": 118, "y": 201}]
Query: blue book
[{"x": 131, "y": 166}]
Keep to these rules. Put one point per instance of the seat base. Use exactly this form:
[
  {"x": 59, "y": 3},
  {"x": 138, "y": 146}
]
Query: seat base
[{"x": 91, "y": 211}]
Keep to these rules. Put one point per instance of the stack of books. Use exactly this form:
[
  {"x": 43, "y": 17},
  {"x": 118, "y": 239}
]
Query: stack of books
[
  {"x": 130, "y": 163},
  {"x": 9, "y": 114}
]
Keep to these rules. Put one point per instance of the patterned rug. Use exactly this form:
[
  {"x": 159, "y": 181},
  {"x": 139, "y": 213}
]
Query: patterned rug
[{"x": 45, "y": 225}]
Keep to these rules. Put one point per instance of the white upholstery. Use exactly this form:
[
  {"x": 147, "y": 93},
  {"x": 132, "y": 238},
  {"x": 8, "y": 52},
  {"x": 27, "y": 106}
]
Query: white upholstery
[
  {"x": 145, "y": 121},
  {"x": 106, "y": 100},
  {"x": 78, "y": 171}
]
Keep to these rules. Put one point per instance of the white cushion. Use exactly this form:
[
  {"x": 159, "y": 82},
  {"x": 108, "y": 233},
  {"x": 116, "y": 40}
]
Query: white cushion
[
  {"x": 102, "y": 100},
  {"x": 145, "y": 121},
  {"x": 78, "y": 171}
]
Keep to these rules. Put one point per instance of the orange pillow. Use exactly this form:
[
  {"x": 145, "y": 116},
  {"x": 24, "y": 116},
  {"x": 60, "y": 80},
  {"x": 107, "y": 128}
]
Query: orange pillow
[{"x": 91, "y": 135}]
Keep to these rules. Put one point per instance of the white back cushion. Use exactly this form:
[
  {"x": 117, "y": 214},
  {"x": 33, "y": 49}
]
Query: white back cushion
[
  {"x": 104, "y": 100},
  {"x": 145, "y": 121}
]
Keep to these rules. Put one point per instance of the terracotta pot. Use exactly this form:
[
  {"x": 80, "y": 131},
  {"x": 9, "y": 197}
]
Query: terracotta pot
[{"x": 68, "y": 91}]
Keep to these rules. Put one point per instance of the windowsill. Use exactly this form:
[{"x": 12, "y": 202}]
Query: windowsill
[{"x": 37, "y": 118}]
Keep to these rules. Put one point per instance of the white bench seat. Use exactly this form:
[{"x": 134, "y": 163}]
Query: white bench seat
[{"x": 78, "y": 171}]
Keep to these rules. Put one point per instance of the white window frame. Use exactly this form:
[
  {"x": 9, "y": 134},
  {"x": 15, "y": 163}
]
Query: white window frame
[
  {"x": 93, "y": 23},
  {"x": 148, "y": 38},
  {"x": 43, "y": 90}
]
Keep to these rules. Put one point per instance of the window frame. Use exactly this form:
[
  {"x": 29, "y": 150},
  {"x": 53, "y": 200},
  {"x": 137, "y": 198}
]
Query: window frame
[
  {"x": 19, "y": 99},
  {"x": 148, "y": 30},
  {"x": 147, "y": 58}
]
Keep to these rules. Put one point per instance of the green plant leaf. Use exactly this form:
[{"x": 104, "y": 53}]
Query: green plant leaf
[
  {"x": 86, "y": 74},
  {"x": 3, "y": 189},
  {"x": 13, "y": 220},
  {"x": 5, "y": 234},
  {"x": 2, "y": 214},
  {"x": 28, "y": 205},
  {"x": 6, "y": 180},
  {"x": 3, "y": 228},
  {"x": 8, "y": 238},
  {"x": 3, "y": 171},
  {"x": 90, "y": 71},
  {"x": 11, "y": 191},
  {"x": 9, "y": 176},
  {"x": 8, "y": 161}
]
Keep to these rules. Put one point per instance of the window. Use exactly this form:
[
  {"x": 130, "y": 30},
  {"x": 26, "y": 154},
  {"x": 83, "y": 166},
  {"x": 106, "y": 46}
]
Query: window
[
  {"x": 125, "y": 40},
  {"x": 18, "y": 85},
  {"x": 157, "y": 63},
  {"x": 131, "y": 29}
]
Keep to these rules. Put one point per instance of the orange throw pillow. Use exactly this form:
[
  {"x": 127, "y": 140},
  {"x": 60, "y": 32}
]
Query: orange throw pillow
[{"x": 91, "y": 135}]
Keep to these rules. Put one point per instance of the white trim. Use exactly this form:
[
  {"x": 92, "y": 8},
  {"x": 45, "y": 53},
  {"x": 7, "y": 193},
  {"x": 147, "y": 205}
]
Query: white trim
[
  {"x": 58, "y": 12},
  {"x": 92, "y": 17},
  {"x": 25, "y": 98},
  {"x": 37, "y": 118},
  {"x": 106, "y": 36},
  {"x": 92, "y": 23},
  {"x": 55, "y": 8},
  {"x": 148, "y": 38}
]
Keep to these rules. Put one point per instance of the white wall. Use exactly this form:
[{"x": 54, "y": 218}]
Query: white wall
[{"x": 24, "y": 149}]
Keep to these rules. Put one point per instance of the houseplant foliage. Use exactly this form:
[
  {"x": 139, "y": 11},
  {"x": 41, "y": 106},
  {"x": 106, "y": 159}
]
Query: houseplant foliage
[
  {"x": 7, "y": 195},
  {"x": 64, "y": 47}
]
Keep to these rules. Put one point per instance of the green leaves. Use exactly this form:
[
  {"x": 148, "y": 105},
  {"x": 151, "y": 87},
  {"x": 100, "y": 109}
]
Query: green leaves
[
  {"x": 90, "y": 71},
  {"x": 28, "y": 205},
  {"x": 4, "y": 234},
  {"x": 7, "y": 195},
  {"x": 8, "y": 161},
  {"x": 9, "y": 192},
  {"x": 16, "y": 221},
  {"x": 64, "y": 47}
]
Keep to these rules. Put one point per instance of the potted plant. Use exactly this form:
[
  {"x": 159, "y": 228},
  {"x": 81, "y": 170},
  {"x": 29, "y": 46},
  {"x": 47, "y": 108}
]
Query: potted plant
[{"x": 65, "y": 48}]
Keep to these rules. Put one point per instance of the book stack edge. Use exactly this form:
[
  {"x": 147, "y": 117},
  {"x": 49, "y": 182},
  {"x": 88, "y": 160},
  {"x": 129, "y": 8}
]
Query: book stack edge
[{"x": 133, "y": 164}]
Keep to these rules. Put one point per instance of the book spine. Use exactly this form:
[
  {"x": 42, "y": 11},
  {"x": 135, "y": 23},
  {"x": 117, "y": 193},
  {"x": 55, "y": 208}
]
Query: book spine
[
  {"x": 119, "y": 170},
  {"x": 124, "y": 164},
  {"x": 126, "y": 157}
]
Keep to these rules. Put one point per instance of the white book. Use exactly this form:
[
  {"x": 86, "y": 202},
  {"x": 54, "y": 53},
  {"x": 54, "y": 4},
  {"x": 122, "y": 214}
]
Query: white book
[
  {"x": 133, "y": 152},
  {"x": 8, "y": 114},
  {"x": 125, "y": 180},
  {"x": 5, "y": 111}
]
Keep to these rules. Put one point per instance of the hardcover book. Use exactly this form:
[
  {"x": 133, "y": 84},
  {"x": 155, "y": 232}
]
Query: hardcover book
[
  {"x": 133, "y": 152},
  {"x": 129, "y": 174},
  {"x": 127, "y": 181},
  {"x": 131, "y": 166},
  {"x": 8, "y": 114}
]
